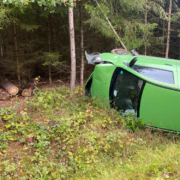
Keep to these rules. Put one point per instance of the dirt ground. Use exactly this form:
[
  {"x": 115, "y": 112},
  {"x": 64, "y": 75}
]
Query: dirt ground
[{"x": 42, "y": 85}]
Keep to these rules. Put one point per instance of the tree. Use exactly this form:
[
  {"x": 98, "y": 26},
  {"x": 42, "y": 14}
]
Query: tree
[
  {"x": 17, "y": 56},
  {"x": 151, "y": 6},
  {"x": 72, "y": 48},
  {"x": 126, "y": 18},
  {"x": 13, "y": 18},
  {"x": 47, "y": 4},
  {"x": 82, "y": 43},
  {"x": 169, "y": 28}
]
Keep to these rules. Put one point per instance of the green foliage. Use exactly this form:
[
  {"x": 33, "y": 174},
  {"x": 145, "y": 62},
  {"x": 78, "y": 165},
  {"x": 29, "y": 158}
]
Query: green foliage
[
  {"x": 156, "y": 6},
  {"x": 158, "y": 163},
  {"x": 50, "y": 58},
  {"x": 131, "y": 123},
  {"x": 55, "y": 136},
  {"x": 58, "y": 136},
  {"x": 126, "y": 18},
  {"x": 98, "y": 21},
  {"x": 134, "y": 32},
  {"x": 47, "y": 3},
  {"x": 10, "y": 15},
  {"x": 4, "y": 19}
]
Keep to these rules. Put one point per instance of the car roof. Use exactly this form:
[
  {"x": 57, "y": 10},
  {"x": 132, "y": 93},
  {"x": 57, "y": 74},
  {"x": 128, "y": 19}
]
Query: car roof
[{"x": 147, "y": 61}]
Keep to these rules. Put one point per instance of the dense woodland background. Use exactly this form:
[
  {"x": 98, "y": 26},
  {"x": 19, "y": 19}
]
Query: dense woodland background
[
  {"x": 34, "y": 36},
  {"x": 59, "y": 136}
]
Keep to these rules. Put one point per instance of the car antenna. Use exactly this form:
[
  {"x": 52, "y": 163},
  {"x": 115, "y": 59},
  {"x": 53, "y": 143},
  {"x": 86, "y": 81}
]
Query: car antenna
[{"x": 111, "y": 26}]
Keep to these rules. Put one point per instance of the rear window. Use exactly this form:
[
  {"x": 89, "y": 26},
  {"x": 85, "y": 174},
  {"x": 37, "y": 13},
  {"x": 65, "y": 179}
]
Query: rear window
[{"x": 154, "y": 73}]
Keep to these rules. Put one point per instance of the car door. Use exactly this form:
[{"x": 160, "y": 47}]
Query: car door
[
  {"x": 125, "y": 91},
  {"x": 101, "y": 80},
  {"x": 160, "y": 107},
  {"x": 156, "y": 105}
]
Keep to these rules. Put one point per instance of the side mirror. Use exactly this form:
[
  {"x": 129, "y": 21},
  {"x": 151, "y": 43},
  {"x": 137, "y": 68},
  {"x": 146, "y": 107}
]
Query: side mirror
[{"x": 133, "y": 61}]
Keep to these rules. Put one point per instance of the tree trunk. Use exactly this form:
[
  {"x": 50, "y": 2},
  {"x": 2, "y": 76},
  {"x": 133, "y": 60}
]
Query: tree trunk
[
  {"x": 163, "y": 37},
  {"x": 8, "y": 86},
  {"x": 2, "y": 43},
  {"x": 2, "y": 49},
  {"x": 169, "y": 29},
  {"x": 145, "y": 38},
  {"x": 49, "y": 49},
  {"x": 179, "y": 49},
  {"x": 27, "y": 53},
  {"x": 26, "y": 93},
  {"x": 28, "y": 90},
  {"x": 82, "y": 44},
  {"x": 72, "y": 47},
  {"x": 17, "y": 57},
  {"x": 4, "y": 95}
]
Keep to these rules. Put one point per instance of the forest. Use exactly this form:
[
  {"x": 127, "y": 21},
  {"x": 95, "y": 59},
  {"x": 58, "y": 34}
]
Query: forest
[
  {"x": 54, "y": 131},
  {"x": 35, "y": 40}
]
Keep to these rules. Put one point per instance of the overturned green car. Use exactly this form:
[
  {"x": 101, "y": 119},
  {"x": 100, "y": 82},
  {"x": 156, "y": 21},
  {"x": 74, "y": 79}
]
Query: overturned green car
[{"x": 147, "y": 86}]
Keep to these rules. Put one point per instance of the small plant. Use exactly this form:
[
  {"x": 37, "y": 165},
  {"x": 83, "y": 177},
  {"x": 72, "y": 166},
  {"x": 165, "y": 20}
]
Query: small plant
[
  {"x": 54, "y": 136},
  {"x": 131, "y": 122}
]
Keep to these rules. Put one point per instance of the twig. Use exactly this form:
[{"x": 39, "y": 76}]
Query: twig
[{"x": 111, "y": 26}]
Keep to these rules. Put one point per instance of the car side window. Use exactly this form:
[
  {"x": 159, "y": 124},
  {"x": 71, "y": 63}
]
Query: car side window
[
  {"x": 126, "y": 91},
  {"x": 155, "y": 74}
]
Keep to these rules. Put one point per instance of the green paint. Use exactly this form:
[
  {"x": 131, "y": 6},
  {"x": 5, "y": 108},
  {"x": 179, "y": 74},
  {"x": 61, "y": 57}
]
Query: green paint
[
  {"x": 160, "y": 102},
  {"x": 160, "y": 107},
  {"x": 101, "y": 83},
  {"x": 101, "y": 80},
  {"x": 159, "y": 63}
]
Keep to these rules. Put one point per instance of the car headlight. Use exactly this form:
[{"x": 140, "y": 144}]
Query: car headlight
[
  {"x": 97, "y": 60},
  {"x": 93, "y": 58}
]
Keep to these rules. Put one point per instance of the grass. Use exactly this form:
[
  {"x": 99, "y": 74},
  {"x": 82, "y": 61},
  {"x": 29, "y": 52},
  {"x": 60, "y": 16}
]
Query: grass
[
  {"x": 55, "y": 136},
  {"x": 146, "y": 164}
]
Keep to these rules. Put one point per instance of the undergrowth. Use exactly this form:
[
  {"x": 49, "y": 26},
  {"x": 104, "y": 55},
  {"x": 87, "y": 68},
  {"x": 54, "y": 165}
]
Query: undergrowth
[{"x": 55, "y": 136}]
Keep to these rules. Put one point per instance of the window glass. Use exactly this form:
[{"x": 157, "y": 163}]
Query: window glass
[
  {"x": 154, "y": 73},
  {"x": 126, "y": 91}
]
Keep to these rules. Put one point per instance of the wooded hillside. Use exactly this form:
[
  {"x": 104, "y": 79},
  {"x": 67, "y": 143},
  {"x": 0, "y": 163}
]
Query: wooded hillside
[
  {"x": 59, "y": 134},
  {"x": 34, "y": 35}
]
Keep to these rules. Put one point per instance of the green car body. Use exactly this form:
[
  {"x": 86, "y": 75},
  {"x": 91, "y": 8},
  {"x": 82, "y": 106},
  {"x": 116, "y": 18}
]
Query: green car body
[{"x": 149, "y": 86}]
